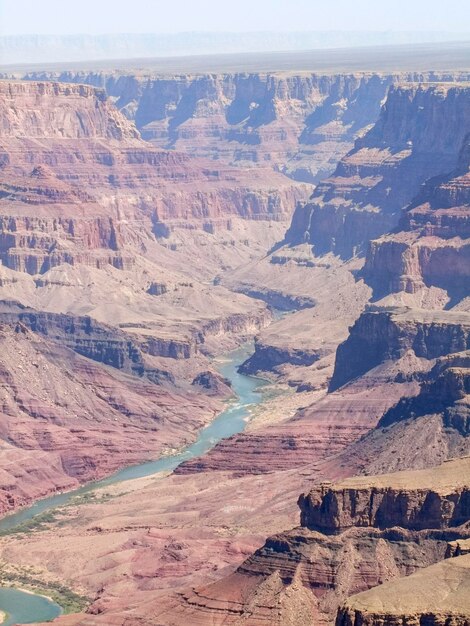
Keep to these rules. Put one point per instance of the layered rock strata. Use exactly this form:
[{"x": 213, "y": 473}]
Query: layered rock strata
[
  {"x": 418, "y": 135},
  {"x": 391, "y": 501},
  {"x": 323, "y": 430},
  {"x": 381, "y": 334},
  {"x": 106, "y": 302},
  {"x": 352, "y": 537},
  {"x": 431, "y": 246},
  {"x": 66, "y": 151},
  {"x": 300, "y": 124},
  {"x": 435, "y": 595},
  {"x": 445, "y": 390},
  {"x": 91, "y": 421}
]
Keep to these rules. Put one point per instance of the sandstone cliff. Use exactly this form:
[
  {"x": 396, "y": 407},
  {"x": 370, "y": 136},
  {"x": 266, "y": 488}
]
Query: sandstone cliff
[
  {"x": 300, "y": 124},
  {"x": 431, "y": 245},
  {"x": 380, "y": 334},
  {"x": 440, "y": 499},
  {"x": 87, "y": 144},
  {"x": 418, "y": 135}
]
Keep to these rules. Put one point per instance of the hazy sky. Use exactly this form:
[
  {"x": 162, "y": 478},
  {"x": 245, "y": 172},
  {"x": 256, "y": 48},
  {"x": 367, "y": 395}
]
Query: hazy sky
[{"x": 166, "y": 16}]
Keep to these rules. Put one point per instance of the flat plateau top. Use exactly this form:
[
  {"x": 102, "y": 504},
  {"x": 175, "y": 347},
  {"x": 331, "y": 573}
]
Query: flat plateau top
[
  {"x": 451, "y": 475},
  {"x": 441, "y": 589},
  {"x": 441, "y": 57}
]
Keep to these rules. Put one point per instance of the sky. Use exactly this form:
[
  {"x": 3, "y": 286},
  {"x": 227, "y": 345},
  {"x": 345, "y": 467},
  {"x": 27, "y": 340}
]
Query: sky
[{"x": 19, "y": 17}]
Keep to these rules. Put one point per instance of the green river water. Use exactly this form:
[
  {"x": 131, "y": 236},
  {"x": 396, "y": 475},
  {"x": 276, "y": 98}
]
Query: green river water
[{"x": 25, "y": 608}]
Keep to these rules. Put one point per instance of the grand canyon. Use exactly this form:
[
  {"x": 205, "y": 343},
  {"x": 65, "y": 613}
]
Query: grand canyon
[{"x": 235, "y": 339}]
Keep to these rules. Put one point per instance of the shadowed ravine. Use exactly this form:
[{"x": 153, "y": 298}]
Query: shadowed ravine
[{"x": 231, "y": 421}]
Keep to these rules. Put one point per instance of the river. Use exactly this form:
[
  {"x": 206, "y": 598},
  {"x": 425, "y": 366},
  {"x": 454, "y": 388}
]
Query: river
[{"x": 25, "y": 608}]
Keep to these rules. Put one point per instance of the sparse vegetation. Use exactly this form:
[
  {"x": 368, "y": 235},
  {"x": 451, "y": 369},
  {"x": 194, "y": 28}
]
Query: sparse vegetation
[
  {"x": 37, "y": 523},
  {"x": 25, "y": 578},
  {"x": 57, "y": 516}
]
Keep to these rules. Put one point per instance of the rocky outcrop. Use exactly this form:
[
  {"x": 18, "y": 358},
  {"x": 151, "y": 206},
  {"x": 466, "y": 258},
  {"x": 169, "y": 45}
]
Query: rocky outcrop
[
  {"x": 333, "y": 510},
  {"x": 267, "y": 357},
  {"x": 431, "y": 246},
  {"x": 354, "y": 535},
  {"x": 213, "y": 384},
  {"x": 435, "y": 595},
  {"x": 89, "y": 338},
  {"x": 445, "y": 390},
  {"x": 120, "y": 349},
  {"x": 59, "y": 111},
  {"x": 300, "y": 124},
  {"x": 418, "y": 135},
  {"x": 380, "y": 334}
]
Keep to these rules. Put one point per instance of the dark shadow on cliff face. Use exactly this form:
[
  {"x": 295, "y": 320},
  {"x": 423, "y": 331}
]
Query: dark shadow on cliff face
[{"x": 445, "y": 391}]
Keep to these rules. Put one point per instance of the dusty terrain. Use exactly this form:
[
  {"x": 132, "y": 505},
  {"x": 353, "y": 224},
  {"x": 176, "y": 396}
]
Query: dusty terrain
[
  {"x": 437, "y": 593},
  {"x": 127, "y": 267},
  {"x": 83, "y": 203}
]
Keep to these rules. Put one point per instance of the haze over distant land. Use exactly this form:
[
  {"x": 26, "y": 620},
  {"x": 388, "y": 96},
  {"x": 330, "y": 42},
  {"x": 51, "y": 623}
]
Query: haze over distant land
[
  {"x": 404, "y": 57},
  {"x": 80, "y": 47}
]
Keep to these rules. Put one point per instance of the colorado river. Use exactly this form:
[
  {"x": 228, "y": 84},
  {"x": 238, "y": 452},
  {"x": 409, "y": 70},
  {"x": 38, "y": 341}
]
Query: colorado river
[
  {"x": 23, "y": 608},
  {"x": 31, "y": 608}
]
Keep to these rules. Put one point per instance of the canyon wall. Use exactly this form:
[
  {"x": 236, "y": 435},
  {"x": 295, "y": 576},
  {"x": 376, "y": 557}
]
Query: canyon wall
[
  {"x": 93, "y": 298},
  {"x": 418, "y": 135},
  {"x": 299, "y": 124},
  {"x": 445, "y": 390},
  {"x": 381, "y": 334},
  {"x": 89, "y": 152},
  {"x": 431, "y": 247},
  {"x": 354, "y": 535}
]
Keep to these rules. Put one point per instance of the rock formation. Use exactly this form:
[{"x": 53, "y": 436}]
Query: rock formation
[
  {"x": 300, "y": 124},
  {"x": 91, "y": 421},
  {"x": 85, "y": 275},
  {"x": 116, "y": 283},
  {"x": 381, "y": 334},
  {"x": 418, "y": 135},
  {"x": 431, "y": 245},
  {"x": 434, "y": 595},
  {"x": 391, "y": 501},
  {"x": 446, "y": 390},
  {"x": 353, "y": 536}
]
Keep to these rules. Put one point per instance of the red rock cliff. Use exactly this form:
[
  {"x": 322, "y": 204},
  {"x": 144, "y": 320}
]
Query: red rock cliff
[{"x": 418, "y": 135}]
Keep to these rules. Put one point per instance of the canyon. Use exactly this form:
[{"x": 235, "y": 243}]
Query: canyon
[
  {"x": 149, "y": 224},
  {"x": 300, "y": 125},
  {"x": 83, "y": 269}
]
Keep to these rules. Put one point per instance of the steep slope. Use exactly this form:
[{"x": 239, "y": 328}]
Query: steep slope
[
  {"x": 82, "y": 203},
  {"x": 423, "y": 429},
  {"x": 352, "y": 537},
  {"x": 435, "y": 595},
  {"x": 422, "y": 130},
  {"x": 81, "y": 190},
  {"x": 297, "y": 123},
  {"x": 419, "y": 134},
  {"x": 430, "y": 248},
  {"x": 380, "y": 334},
  {"x": 93, "y": 420},
  {"x": 317, "y": 432}
]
